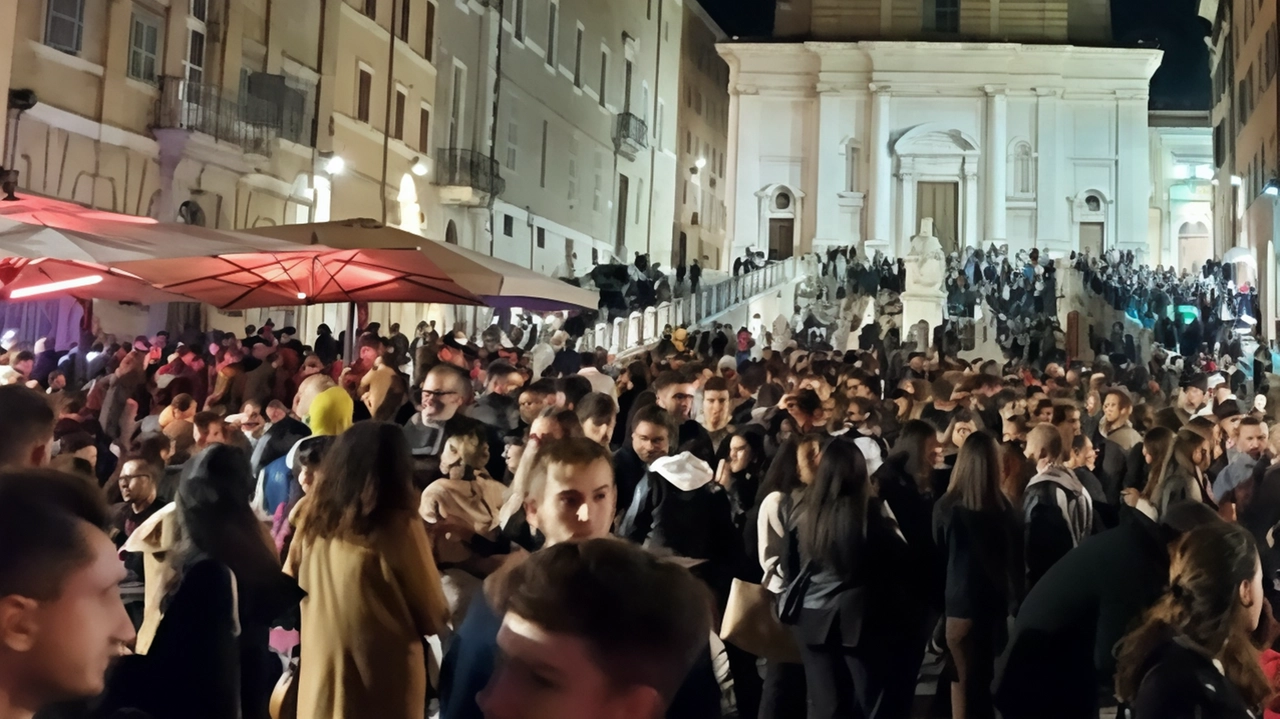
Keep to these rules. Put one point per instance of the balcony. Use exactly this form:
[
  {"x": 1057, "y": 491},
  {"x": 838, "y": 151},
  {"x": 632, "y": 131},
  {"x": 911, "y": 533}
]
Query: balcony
[
  {"x": 250, "y": 122},
  {"x": 630, "y": 135},
  {"x": 467, "y": 177}
]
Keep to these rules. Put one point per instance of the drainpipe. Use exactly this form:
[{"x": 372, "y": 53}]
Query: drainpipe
[
  {"x": 653, "y": 149},
  {"x": 315, "y": 121},
  {"x": 391, "y": 87},
  {"x": 493, "y": 130}
]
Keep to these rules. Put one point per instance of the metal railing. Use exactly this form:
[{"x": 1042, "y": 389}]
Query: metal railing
[
  {"x": 630, "y": 132},
  {"x": 249, "y": 122},
  {"x": 643, "y": 328},
  {"x": 467, "y": 168}
]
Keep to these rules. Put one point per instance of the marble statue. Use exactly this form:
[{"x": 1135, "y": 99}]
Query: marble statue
[{"x": 923, "y": 297}]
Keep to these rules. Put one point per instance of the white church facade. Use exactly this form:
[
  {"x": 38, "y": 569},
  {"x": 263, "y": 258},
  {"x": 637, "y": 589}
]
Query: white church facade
[{"x": 1034, "y": 144}]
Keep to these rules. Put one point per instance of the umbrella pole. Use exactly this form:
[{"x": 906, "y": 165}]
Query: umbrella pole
[{"x": 349, "y": 347}]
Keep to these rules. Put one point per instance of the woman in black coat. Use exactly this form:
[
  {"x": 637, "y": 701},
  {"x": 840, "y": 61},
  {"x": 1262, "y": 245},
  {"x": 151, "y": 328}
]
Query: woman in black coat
[
  {"x": 851, "y": 550},
  {"x": 1192, "y": 655},
  {"x": 210, "y": 657},
  {"x": 980, "y": 533}
]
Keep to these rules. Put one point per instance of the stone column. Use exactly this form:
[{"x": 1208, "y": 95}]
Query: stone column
[
  {"x": 1133, "y": 185},
  {"x": 1051, "y": 220},
  {"x": 997, "y": 165},
  {"x": 907, "y": 205},
  {"x": 969, "y": 205},
  {"x": 881, "y": 189},
  {"x": 831, "y": 169}
]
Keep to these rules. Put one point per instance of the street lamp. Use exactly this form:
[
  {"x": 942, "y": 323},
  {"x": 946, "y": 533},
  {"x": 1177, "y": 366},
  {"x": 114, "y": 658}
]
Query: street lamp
[
  {"x": 420, "y": 167},
  {"x": 701, "y": 163},
  {"x": 335, "y": 165}
]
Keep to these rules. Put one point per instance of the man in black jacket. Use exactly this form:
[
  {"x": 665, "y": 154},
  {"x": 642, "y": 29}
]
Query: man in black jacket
[
  {"x": 1060, "y": 658},
  {"x": 649, "y": 439},
  {"x": 674, "y": 392}
]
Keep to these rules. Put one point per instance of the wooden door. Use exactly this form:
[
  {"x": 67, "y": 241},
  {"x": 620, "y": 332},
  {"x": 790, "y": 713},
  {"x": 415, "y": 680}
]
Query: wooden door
[
  {"x": 1092, "y": 238},
  {"x": 940, "y": 200},
  {"x": 781, "y": 238}
]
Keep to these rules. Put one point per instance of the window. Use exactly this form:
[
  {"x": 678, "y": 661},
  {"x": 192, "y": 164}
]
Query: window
[
  {"x": 403, "y": 31},
  {"x": 64, "y": 25},
  {"x": 518, "y": 21},
  {"x": 648, "y": 10},
  {"x": 553, "y": 11},
  {"x": 371, "y": 8},
  {"x": 644, "y": 102},
  {"x": 639, "y": 197},
  {"x": 604, "y": 74},
  {"x": 424, "y": 129},
  {"x": 697, "y": 102},
  {"x": 513, "y": 145},
  {"x": 508, "y": 225},
  {"x": 688, "y": 141},
  {"x": 196, "y": 32},
  {"x": 402, "y": 99},
  {"x": 599, "y": 189},
  {"x": 456, "y": 105},
  {"x": 1023, "y": 169},
  {"x": 942, "y": 15},
  {"x": 200, "y": 10},
  {"x": 543, "y": 173},
  {"x": 577, "y": 60},
  {"x": 363, "y": 96},
  {"x": 542, "y": 238},
  {"x": 144, "y": 45},
  {"x": 431, "y": 31}
]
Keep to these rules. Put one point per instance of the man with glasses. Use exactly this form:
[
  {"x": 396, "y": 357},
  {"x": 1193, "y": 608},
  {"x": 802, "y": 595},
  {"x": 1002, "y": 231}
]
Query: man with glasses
[
  {"x": 674, "y": 392},
  {"x": 445, "y": 391}
]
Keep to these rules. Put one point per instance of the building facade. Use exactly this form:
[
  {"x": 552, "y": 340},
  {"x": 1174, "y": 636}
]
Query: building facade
[
  {"x": 225, "y": 113},
  {"x": 1182, "y": 193},
  {"x": 560, "y": 117},
  {"x": 703, "y": 136},
  {"x": 939, "y": 114},
  {"x": 1246, "y": 57}
]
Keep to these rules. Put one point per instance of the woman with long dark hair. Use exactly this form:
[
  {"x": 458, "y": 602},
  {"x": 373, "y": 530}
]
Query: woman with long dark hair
[
  {"x": 849, "y": 542},
  {"x": 224, "y": 589},
  {"x": 1192, "y": 655},
  {"x": 373, "y": 590},
  {"x": 980, "y": 534}
]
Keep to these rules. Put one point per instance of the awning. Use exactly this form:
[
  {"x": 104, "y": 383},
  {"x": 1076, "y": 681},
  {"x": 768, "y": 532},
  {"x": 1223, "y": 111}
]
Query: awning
[{"x": 497, "y": 282}]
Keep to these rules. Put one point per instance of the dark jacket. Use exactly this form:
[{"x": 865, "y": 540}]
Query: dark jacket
[
  {"x": 677, "y": 508},
  {"x": 983, "y": 551},
  {"x": 1060, "y": 651},
  {"x": 1180, "y": 682},
  {"x": 1051, "y": 530},
  {"x": 276, "y": 442},
  {"x": 914, "y": 513},
  {"x": 628, "y": 470}
]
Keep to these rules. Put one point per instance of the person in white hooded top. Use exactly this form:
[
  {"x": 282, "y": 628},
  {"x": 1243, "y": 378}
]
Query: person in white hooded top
[{"x": 1057, "y": 509}]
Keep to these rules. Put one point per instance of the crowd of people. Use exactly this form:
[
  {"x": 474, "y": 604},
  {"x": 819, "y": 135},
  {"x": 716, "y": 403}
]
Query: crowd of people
[{"x": 697, "y": 533}]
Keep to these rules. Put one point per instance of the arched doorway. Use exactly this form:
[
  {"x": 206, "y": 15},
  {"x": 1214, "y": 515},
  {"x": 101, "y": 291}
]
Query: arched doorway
[
  {"x": 451, "y": 233},
  {"x": 778, "y": 209},
  {"x": 1195, "y": 246}
]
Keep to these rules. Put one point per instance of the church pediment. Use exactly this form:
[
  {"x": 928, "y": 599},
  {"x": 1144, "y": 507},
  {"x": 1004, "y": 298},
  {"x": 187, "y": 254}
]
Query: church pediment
[{"x": 934, "y": 140}]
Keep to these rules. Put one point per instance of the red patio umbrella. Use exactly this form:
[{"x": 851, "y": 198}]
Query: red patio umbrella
[
  {"x": 315, "y": 275},
  {"x": 23, "y": 279}
]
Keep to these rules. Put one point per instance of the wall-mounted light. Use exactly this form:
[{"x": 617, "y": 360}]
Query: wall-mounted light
[
  {"x": 420, "y": 167},
  {"x": 1204, "y": 172},
  {"x": 334, "y": 164},
  {"x": 1236, "y": 181},
  {"x": 1214, "y": 182},
  {"x": 1272, "y": 189},
  {"x": 701, "y": 163},
  {"x": 302, "y": 295}
]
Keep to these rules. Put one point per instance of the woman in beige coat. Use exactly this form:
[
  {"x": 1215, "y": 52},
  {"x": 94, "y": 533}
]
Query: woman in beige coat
[{"x": 373, "y": 591}]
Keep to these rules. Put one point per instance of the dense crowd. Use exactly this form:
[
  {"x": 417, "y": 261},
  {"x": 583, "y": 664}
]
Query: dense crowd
[{"x": 243, "y": 526}]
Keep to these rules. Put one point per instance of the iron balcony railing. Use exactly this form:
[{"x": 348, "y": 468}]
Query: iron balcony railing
[
  {"x": 630, "y": 132},
  {"x": 467, "y": 168},
  {"x": 250, "y": 122}
]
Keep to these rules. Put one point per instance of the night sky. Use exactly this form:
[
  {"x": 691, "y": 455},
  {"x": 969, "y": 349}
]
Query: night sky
[{"x": 1182, "y": 82}]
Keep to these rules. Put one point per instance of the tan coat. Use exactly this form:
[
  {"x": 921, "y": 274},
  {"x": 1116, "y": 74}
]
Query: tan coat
[
  {"x": 368, "y": 606},
  {"x": 154, "y": 538}
]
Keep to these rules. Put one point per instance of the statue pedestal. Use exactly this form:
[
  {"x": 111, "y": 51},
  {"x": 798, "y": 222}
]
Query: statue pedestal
[{"x": 923, "y": 305}]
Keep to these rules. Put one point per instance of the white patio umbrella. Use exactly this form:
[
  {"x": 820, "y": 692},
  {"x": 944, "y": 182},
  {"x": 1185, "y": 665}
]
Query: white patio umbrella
[{"x": 497, "y": 282}]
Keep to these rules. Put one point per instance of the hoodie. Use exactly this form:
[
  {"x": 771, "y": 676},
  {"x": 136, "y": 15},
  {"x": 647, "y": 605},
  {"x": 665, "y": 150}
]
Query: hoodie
[
  {"x": 1059, "y": 515},
  {"x": 678, "y": 509}
]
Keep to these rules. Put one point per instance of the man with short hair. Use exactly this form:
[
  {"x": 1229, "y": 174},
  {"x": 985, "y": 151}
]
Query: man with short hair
[
  {"x": 651, "y": 431},
  {"x": 570, "y": 390},
  {"x": 1232, "y": 489},
  {"x": 569, "y": 497},
  {"x": 62, "y": 621},
  {"x": 26, "y": 427},
  {"x": 1190, "y": 400},
  {"x": 598, "y": 413},
  {"x": 210, "y": 429},
  {"x": 446, "y": 391},
  {"x": 938, "y": 413},
  {"x": 535, "y": 398},
  {"x": 617, "y": 626},
  {"x": 674, "y": 391},
  {"x": 715, "y": 411},
  {"x": 750, "y": 380}
]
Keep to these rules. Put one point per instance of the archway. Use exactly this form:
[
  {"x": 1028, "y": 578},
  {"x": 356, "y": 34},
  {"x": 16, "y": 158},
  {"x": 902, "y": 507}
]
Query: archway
[
  {"x": 451, "y": 233},
  {"x": 937, "y": 177},
  {"x": 779, "y": 212},
  {"x": 1195, "y": 245},
  {"x": 1090, "y": 218}
]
